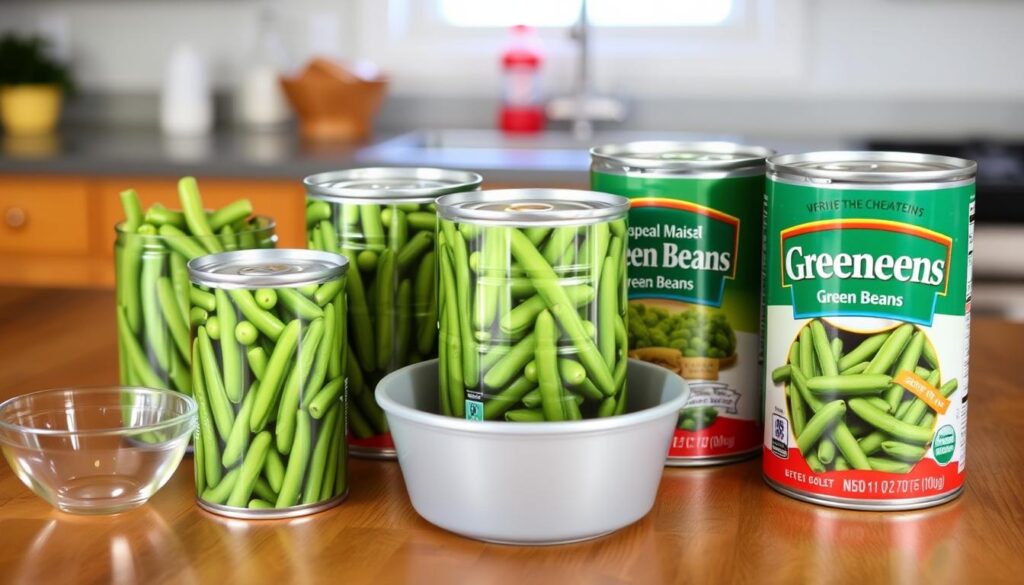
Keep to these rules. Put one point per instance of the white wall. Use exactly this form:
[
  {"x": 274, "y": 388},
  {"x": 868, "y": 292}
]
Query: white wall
[
  {"x": 921, "y": 49},
  {"x": 917, "y": 48},
  {"x": 122, "y": 46}
]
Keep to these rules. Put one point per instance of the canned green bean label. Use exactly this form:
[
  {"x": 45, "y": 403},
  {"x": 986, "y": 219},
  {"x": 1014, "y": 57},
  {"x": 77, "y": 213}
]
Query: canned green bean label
[
  {"x": 867, "y": 293},
  {"x": 694, "y": 278}
]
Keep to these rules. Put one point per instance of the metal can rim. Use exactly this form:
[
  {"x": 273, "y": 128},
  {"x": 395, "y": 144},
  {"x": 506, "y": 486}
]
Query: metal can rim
[
  {"x": 619, "y": 153},
  {"x": 199, "y": 269},
  {"x": 321, "y": 185},
  {"x": 455, "y": 207},
  {"x": 945, "y": 169}
]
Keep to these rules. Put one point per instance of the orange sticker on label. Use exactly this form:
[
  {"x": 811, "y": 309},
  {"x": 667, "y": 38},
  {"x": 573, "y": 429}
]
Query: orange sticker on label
[{"x": 923, "y": 390}]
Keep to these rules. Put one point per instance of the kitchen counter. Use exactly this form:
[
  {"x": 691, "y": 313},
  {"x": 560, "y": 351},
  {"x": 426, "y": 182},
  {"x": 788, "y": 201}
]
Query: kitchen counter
[
  {"x": 546, "y": 159},
  {"x": 131, "y": 151},
  {"x": 717, "y": 524}
]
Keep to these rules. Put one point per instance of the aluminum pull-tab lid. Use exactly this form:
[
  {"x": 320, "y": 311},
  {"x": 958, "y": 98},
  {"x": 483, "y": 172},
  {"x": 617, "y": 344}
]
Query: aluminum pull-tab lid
[
  {"x": 682, "y": 157},
  {"x": 855, "y": 167},
  {"x": 532, "y": 207},
  {"x": 274, "y": 268},
  {"x": 385, "y": 184}
]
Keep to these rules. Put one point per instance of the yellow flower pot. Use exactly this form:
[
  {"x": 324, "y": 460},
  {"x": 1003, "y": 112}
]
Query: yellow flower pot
[{"x": 30, "y": 110}]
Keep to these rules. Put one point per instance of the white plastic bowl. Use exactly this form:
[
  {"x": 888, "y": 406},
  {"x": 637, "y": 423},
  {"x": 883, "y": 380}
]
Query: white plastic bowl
[{"x": 532, "y": 483}]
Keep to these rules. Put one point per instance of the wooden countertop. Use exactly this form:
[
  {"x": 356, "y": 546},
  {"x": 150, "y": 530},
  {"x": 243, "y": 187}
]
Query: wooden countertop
[{"x": 718, "y": 524}]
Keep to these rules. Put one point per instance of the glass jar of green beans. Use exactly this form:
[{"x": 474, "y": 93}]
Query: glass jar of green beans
[
  {"x": 384, "y": 220},
  {"x": 268, "y": 375},
  {"x": 532, "y": 305},
  {"x": 152, "y": 286}
]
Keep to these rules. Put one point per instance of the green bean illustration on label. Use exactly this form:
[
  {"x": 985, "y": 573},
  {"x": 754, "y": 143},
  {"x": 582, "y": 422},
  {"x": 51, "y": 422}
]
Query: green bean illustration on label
[
  {"x": 532, "y": 323},
  {"x": 271, "y": 405},
  {"x": 384, "y": 219}
]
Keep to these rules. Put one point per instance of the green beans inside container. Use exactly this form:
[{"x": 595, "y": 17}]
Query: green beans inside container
[
  {"x": 270, "y": 382},
  {"x": 384, "y": 220},
  {"x": 151, "y": 251},
  {"x": 532, "y": 304}
]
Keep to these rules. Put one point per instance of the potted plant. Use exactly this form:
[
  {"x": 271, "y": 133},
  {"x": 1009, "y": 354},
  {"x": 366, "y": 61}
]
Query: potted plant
[{"x": 32, "y": 85}]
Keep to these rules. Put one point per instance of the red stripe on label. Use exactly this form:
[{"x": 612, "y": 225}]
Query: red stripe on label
[
  {"x": 685, "y": 206},
  {"x": 867, "y": 224},
  {"x": 375, "y": 442},
  {"x": 926, "y": 479},
  {"x": 726, "y": 436}
]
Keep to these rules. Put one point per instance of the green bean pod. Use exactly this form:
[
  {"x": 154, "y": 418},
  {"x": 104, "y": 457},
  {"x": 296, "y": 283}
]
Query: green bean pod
[
  {"x": 890, "y": 350},
  {"x": 906, "y": 363},
  {"x": 195, "y": 215},
  {"x": 863, "y": 352},
  {"x": 816, "y": 426},
  {"x": 823, "y": 350},
  {"x": 850, "y": 385},
  {"x": 250, "y": 470},
  {"x": 298, "y": 460},
  {"x": 888, "y": 423},
  {"x": 386, "y": 309},
  {"x": 211, "y": 448},
  {"x": 274, "y": 375},
  {"x": 223, "y": 415}
]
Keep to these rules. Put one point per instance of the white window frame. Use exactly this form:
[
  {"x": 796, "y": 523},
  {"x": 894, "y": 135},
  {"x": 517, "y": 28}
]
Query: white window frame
[{"x": 762, "y": 47}]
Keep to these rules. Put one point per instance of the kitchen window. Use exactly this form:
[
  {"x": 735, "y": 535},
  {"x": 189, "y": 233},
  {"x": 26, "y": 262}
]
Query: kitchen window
[
  {"x": 612, "y": 13},
  {"x": 650, "y": 47}
]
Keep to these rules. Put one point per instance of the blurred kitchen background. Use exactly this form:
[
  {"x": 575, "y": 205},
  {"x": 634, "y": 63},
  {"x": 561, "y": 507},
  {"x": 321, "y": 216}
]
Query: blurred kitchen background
[{"x": 164, "y": 88}]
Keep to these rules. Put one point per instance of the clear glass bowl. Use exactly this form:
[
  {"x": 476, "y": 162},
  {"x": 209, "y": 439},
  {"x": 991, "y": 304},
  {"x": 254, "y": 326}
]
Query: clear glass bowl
[{"x": 96, "y": 450}]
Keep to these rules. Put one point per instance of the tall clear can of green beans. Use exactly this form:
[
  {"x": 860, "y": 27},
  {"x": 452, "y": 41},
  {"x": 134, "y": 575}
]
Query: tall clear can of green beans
[
  {"x": 384, "y": 220},
  {"x": 532, "y": 305},
  {"x": 268, "y": 375},
  {"x": 152, "y": 286}
]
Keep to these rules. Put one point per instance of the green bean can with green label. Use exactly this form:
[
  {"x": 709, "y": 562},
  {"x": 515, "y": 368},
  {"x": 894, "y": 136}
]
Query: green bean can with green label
[
  {"x": 384, "y": 220},
  {"x": 153, "y": 303},
  {"x": 269, "y": 382},
  {"x": 867, "y": 321},
  {"x": 694, "y": 282},
  {"x": 532, "y": 305}
]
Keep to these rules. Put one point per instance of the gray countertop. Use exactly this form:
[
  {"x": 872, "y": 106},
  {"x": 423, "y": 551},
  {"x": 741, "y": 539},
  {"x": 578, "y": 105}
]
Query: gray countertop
[
  {"x": 548, "y": 159},
  {"x": 273, "y": 154}
]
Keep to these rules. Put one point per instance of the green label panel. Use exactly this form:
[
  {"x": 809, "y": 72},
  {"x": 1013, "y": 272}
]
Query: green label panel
[
  {"x": 681, "y": 251},
  {"x": 871, "y": 253},
  {"x": 694, "y": 240}
]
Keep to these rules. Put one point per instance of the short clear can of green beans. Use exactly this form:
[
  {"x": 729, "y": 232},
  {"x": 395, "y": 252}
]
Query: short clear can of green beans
[
  {"x": 154, "y": 309},
  {"x": 384, "y": 220},
  {"x": 532, "y": 296},
  {"x": 268, "y": 375}
]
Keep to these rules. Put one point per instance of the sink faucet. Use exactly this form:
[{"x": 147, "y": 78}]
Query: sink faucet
[{"x": 583, "y": 107}]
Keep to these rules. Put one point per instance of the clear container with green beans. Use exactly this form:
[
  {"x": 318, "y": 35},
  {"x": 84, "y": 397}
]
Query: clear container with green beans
[
  {"x": 532, "y": 302},
  {"x": 384, "y": 220},
  {"x": 268, "y": 375},
  {"x": 154, "y": 309}
]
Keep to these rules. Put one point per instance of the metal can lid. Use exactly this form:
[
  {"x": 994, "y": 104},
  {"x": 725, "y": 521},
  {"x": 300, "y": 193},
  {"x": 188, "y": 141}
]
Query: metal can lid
[
  {"x": 682, "y": 157},
  {"x": 390, "y": 183},
  {"x": 532, "y": 207},
  {"x": 870, "y": 167},
  {"x": 270, "y": 268}
]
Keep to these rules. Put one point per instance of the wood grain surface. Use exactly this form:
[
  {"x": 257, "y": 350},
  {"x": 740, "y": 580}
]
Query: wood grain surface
[{"x": 718, "y": 524}]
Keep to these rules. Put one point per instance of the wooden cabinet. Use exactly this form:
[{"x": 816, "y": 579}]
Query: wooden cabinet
[
  {"x": 44, "y": 216},
  {"x": 60, "y": 231}
]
